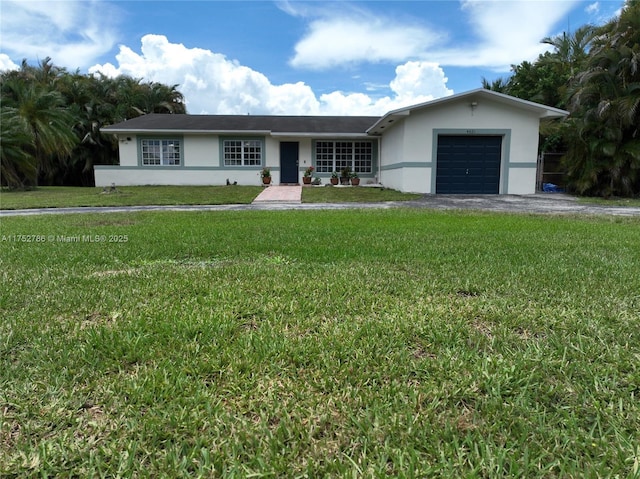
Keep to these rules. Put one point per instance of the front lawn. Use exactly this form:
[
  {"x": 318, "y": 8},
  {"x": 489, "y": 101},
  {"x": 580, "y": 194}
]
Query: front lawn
[
  {"x": 360, "y": 194},
  {"x": 361, "y": 343},
  {"x": 70, "y": 196},
  {"x": 65, "y": 196}
]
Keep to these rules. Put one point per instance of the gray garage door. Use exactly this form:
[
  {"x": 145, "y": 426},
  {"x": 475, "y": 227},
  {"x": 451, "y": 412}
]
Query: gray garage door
[{"x": 468, "y": 164}]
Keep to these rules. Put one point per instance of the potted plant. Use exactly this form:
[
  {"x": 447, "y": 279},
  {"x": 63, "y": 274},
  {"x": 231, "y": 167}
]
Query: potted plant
[
  {"x": 355, "y": 179},
  {"x": 345, "y": 175},
  {"x": 306, "y": 178},
  {"x": 265, "y": 174},
  {"x": 334, "y": 178}
]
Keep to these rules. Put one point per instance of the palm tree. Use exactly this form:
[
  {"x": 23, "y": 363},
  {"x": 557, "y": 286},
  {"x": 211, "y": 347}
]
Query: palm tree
[
  {"x": 499, "y": 84},
  {"x": 159, "y": 98},
  {"x": 604, "y": 132},
  {"x": 82, "y": 95},
  {"x": 47, "y": 121},
  {"x": 571, "y": 50},
  {"x": 17, "y": 166},
  {"x": 56, "y": 116},
  {"x": 133, "y": 98}
]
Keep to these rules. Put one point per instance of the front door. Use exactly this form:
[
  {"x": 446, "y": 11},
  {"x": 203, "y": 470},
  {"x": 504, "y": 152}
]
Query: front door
[{"x": 289, "y": 161}]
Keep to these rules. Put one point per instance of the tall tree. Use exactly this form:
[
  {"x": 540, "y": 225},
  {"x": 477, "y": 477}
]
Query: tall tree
[
  {"x": 17, "y": 167},
  {"x": 499, "y": 85},
  {"x": 571, "y": 50},
  {"x": 47, "y": 121},
  {"x": 603, "y": 132},
  {"x": 82, "y": 95},
  {"x": 159, "y": 98},
  {"x": 546, "y": 80},
  {"x": 62, "y": 114}
]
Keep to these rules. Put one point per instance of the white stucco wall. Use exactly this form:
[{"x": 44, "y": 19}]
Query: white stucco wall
[
  {"x": 411, "y": 141},
  {"x": 391, "y": 157},
  {"x": 392, "y": 178},
  {"x": 305, "y": 152},
  {"x": 408, "y": 179},
  {"x": 522, "y": 181},
  {"x": 202, "y": 164},
  {"x": 271, "y": 153},
  {"x": 106, "y": 175},
  {"x": 201, "y": 150},
  {"x": 128, "y": 150}
]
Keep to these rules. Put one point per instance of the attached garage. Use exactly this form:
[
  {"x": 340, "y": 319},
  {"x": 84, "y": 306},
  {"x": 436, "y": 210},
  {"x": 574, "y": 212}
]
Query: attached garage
[
  {"x": 468, "y": 164},
  {"x": 478, "y": 142}
]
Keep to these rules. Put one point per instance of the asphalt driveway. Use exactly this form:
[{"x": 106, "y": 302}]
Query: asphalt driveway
[
  {"x": 553, "y": 203},
  {"x": 544, "y": 203}
]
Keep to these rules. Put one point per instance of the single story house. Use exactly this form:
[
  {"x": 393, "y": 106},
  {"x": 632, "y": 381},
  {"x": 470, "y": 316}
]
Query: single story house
[{"x": 480, "y": 142}]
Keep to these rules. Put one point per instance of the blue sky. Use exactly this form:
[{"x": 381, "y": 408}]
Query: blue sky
[{"x": 294, "y": 57}]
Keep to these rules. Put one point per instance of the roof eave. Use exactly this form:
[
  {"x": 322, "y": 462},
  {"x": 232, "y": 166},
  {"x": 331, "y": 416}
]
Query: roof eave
[
  {"x": 280, "y": 134},
  {"x": 544, "y": 112},
  {"x": 553, "y": 114},
  {"x": 275, "y": 134},
  {"x": 163, "y": 131},
  {"x": 387, "y": 120}
]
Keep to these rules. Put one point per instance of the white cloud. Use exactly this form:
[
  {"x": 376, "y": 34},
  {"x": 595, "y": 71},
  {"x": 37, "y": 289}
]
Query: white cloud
[
  {"x": 602, "y": 13},
  {"x": 415, "y": 82},
  {"x": 593, "y": 8},
  {"x": 505, "y": 32},
  {"x": 211, "y": 83},
  {"x": 6, "y": 63},
  {"x": 72, "y": 32},
  {"x": 360, "y": 37},
  {"x": 421, "y": 81},
  {"x": 298, "y": 9},
  {"x": 498, "y": 34}
]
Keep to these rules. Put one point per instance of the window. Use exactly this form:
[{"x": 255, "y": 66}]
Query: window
[
  {"x": 336, "y": 155},
  {"x": 242, "y": 152},
  {"x": 161, "y": 152}
]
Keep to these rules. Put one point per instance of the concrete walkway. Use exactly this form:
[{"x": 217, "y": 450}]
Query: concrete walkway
[{"x": 280, "y": 194}]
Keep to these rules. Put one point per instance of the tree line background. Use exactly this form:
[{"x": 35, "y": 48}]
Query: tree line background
[
  {"x": 51, "y": 118},
  {"x": 594, "y": 73}
]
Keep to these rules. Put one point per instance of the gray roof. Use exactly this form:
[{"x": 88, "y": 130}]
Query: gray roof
[{"x": 298, "y": 125}]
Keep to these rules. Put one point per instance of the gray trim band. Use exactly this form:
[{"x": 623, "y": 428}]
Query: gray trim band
[{"x": 407, "y": 164}]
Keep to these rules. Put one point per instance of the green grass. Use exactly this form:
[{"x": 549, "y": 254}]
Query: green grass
[
  {"x": 320, "y": 344},
  {"x": 359, "y": 194},
  {"x": 610, "y": 201},
  {"x": 68, "y": 196},
  {"x": 65, "y": 196}
]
